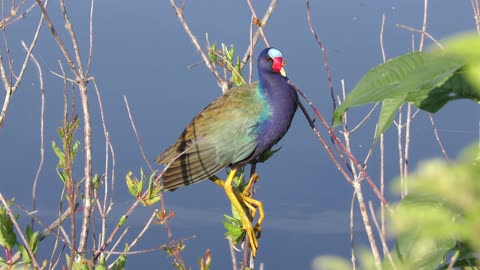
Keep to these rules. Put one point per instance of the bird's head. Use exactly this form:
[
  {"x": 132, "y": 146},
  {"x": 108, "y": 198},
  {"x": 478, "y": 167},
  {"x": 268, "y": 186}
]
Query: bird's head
[{"x": 271, "y": 60}]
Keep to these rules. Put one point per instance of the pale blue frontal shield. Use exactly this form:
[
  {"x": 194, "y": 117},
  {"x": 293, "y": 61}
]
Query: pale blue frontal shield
[{"x": 274, "y": 53}]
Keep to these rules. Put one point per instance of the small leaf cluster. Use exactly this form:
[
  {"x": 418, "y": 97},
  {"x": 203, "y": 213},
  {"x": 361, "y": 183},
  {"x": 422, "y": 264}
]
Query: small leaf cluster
[
  {"x": 8, "y": 240},
  {"x": 69, "y": 150},
  {"x": 153, "y": 189},
  {"x": 225, "y": 58},
  {"x": 204, "y": 264}
]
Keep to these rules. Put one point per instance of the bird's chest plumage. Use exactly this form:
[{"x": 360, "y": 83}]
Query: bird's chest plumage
[{"x": 276, "y": 116}]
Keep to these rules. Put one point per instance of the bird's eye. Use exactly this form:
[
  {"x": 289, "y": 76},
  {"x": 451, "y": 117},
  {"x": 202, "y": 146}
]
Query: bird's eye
[{"x": 268, "y": 58}]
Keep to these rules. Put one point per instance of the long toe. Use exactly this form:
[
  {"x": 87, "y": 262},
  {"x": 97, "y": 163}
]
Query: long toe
[{"x": 250, "y": 231}]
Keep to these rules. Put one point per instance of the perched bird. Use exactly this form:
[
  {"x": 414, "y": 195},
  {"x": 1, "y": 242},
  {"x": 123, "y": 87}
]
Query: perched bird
[{"x": 234, "y": 130}]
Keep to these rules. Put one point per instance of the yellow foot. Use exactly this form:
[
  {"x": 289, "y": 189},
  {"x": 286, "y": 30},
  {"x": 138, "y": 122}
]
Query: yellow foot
[
  {"x": 253, "y": 180},
  {"x": 240, "y": 199},
  {"x": 255, "y": 204}
]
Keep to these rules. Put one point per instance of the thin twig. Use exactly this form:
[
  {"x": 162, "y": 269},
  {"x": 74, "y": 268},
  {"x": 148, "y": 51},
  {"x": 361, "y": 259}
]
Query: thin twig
[
  {"x": 122, "y": 235},
  {"x": 424, "y": 24},
  {"x": 382, "y": 29},
  {"x": 368, "y": 228},
  {"x": 249, "y": 52},
  {"x": 352, "y": 239},
  {"x": 179, "y": 13},
  {"x": 9, "y": 88},
  {"x": 260, "y": 24},
  {"x": 437, "y": 137},
  {"x": 19, "y": 232},
  {"x": 57, "y": 38},
  {"x": 47, "y": 230},
  {"x": 145, "y": 228},
  {"x": 382, "y": 145},
  {"x": 135, "y": 204},
  {"x": 325, "y": 57},
  {"x": 90, "y": 38},
  {"x": 364, "y": 119},
  {"x": 407, "y": 147},
  {"x": 476, "y": 13},
  {"x": 104, "y": 210},
  {"x": 42, "y": 118},
  {"x": 232, "y": 254},
  {"x": 420, "y": 31},
  {"x": 139, "y": 140},
  {"x": 341, "y": 145},
  {"x": 382, "y": 237},
  {"x": 73, "y": 38},
  {"x": 400, "y": 151}
]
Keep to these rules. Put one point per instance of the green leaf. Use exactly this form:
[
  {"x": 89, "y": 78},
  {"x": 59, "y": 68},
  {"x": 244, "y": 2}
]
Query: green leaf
[
  {"x": 75, "y": 150},
  {"x": 389, "y": 108},
  {"x": 212, "y": 53},
  {"x": 122, "y": 220},
  {"x": 237, "y": 73},
  {"x": 424, "y": 84},
  {"x": 8, "y": 238},
  {"x": 135, "y": 186},
  {"x": 378, "y": 84},
  {"x": 466, "y": 46},
  {"x": 441, "y": 210},
  {"x": 59, "y": 153},
  {"x": 267, "y": 154},
  {"x": 96, "y": 181},
  {"x": 427, "y": 80},
  {"x": 328, "y": 262},
  {"x": 32, "y": 238},
  {"x": 230, "y": 54},
  {"x": 63, "y": 176},
  {"x": 154, "y": 190},
  {"x": 122, "y": 260},
  {"x": 234, "y": 229},
  {"x": 102, "y": 263}
]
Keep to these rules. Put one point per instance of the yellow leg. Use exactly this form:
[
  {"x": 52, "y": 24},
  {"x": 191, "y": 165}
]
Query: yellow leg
[
  {"x": 254, "y": 204},
  {"x": 253, "y": 179},
  {"x": 235, "y": 199}
]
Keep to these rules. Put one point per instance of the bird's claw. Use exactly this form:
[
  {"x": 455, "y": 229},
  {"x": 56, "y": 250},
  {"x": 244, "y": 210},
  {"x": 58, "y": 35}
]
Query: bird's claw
[
  {"x": 253, "y": 179},
  {"x": 258, "y": 231},
  {"x": 252, "y": 237}
]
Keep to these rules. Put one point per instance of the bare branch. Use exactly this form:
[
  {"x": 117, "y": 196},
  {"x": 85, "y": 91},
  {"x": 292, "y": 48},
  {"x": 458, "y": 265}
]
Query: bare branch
[
  {"x": 249, "y": 52},
  {"x": 476, "y": 13},
  {"x": 381, "y": 235},
  {"x": 439, "y": 141},
  {"x": 258, "y": 23},
  {"x": 325, "y": 57},
  {"x": 179, "y": 12},
  {"x": 420, "y": 31},
  {"x": 368, "y": 228},
  {"x": 424, "y": 25},
  {"x": 139, "y": 140},
  {"x": 342, "y": 147},
  {"x": 42, "y": 120}
]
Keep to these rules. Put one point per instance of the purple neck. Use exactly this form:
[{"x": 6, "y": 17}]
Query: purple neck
[{"x": 282, "y": 104}]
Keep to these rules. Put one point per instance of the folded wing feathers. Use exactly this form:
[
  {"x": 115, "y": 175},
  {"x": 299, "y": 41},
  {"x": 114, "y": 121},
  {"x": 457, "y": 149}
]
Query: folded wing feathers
[{"x": 215, "y": 138}]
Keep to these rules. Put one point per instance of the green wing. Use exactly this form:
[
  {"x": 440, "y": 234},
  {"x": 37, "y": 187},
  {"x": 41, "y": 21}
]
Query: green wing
[{"x": 221, "y": 134}]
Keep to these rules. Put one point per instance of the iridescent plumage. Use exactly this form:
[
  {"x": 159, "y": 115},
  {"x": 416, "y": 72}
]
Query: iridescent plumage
[{"x": 235, "y": 128}]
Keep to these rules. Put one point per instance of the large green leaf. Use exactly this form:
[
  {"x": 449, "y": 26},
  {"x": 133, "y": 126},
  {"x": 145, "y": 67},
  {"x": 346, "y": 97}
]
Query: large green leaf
[
  {"x": 381, "y": 82},
  {"x": 428, "y": 80}
]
